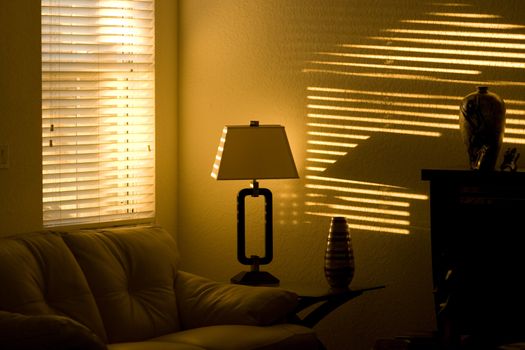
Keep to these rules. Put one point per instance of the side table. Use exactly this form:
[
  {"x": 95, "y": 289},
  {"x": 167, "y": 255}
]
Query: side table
[{"x": 328, "y": 300}]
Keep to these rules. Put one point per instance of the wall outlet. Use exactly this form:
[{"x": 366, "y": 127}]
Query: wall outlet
[{"x": 4, "y": 156}]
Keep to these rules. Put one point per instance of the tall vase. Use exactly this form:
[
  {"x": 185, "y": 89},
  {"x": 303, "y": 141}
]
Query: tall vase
[
  {"x": 482, "y": 124},
  {"x": 339, "y": 257}
]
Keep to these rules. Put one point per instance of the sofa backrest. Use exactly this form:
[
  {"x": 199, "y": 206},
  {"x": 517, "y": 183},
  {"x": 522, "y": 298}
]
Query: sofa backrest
[
  {"x": 40, "y": 276},
  {"x": 131, "y": 272}
]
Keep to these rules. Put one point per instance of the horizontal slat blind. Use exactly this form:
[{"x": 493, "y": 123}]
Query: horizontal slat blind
[{"x": 97, "y": 111}]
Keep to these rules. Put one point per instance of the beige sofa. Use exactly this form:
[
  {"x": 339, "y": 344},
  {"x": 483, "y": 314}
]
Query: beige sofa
[{"x": 121, "y": 289}]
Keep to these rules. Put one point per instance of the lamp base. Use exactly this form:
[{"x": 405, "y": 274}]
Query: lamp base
[{"x": 255, "y": 278}]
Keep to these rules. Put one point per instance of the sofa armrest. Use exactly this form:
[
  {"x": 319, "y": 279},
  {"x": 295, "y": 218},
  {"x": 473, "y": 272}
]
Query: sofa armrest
[
  {"x": 43, "y": 332},
  {"x": 202, "y": 302}
]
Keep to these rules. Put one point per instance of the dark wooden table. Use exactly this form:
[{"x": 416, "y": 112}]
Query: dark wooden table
[{"x": 478, "y": 255}]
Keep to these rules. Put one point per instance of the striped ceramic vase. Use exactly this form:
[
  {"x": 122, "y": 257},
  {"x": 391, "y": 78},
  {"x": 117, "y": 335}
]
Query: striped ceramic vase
[{"x": 339, "y": 257}]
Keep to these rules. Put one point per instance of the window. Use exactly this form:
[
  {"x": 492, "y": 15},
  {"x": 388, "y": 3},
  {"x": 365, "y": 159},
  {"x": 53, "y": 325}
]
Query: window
[{"x": 97, "y": 111}]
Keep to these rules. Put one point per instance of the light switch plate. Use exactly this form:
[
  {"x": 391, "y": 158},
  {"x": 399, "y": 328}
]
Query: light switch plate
[{"x": 4, "y": 156}]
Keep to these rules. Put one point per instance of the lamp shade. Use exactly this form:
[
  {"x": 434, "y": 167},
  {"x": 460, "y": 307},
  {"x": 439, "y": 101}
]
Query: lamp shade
[{"x": 254, "y": 152}]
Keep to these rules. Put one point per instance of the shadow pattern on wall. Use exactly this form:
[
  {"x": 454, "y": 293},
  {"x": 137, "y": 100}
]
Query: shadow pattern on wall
[{"x": 391, "y": 101}]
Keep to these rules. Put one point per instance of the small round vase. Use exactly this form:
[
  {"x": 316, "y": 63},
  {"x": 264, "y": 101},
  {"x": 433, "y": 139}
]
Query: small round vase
[
  {"x": 482, "y": 124},
  {"x": 339, "y": 257}
]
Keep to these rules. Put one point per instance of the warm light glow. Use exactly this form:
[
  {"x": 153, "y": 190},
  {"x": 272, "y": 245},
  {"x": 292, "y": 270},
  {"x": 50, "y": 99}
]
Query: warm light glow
[
  {"x": 457, "y": 61},
  {"x": 493, "y": 26},
  {"x": 510, "y": 121},
  {"x": 365, "y": 210},
  {"x": 379, "y": 229},
  {"x": 415, "y": 77},
  {"x": 346, "y": 181},
  {"x": 386, "y": 121},
  {"x": 374, "y": 201},
  {"x": 368, "y": 192},
  {"x": 376, "y": 129},
  {"x": 333, "y": 144},
  {"x": 374, "y": 228},
  {"x": 461, "y": 52},
  {"x": 384, "y": 93},
  {"x": 331, "y": 153},
  {"x": 369, "y": 218},
  {"x": 468, "y": 46},
  {"x": 218, "y": 156},
  {"x": 98, "y": 111},
  {"x": 316, "y": 195},
  {"x": 512, "y": 131},
  {"x": 455, "y": 33},
  {"x": 337, "y": 135},
  {"x": 462, "y": 15},
  {"x": 450, "y": 4},
  {"x": 386, "y": 103},
  {"x": 313, "y": 168},
  {"x": 320, "y": 160},
  {"x": 514, "y": 140},
  {"x": 392, "y": 67},
  {"x": 463, "y": 43}
]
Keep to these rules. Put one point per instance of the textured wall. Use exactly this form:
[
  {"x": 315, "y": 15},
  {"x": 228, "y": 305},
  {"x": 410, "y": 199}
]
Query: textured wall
[
  {"x": 166, "y": 113},
  {"x": 387, "y": 76},
  {"x": 243, "y": 60},
  {"x": 20, "y": 114}
]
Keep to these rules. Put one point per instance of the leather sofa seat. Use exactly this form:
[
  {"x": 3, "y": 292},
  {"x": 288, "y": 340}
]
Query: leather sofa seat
[{"x": 121, "y": 288}]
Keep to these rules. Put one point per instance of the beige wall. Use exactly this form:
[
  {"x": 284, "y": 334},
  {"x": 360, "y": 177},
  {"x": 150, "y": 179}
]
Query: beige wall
[
  {"x": 20, "y": 125},
  {"x": 245, "y": 60},
  {"x": 166, "y": 113},
  {"x": 20, "y": 115}
]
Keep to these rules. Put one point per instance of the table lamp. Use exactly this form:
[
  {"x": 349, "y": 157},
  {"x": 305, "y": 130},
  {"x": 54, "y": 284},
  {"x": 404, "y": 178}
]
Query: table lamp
[{"x": 251, "y": 153}]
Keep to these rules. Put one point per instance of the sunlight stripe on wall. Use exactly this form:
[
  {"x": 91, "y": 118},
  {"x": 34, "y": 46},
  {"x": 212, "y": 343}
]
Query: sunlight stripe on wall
[
  {"x": 444, "y": 42},
  {"x": 462, "y": 15},
  {"x": 492, "y": 26},
  {"x": 455, "y": 61},
  {"x": 456, "y": 47},
  {"x": 376, "y": 129},
  {"x": 392, "y": 67},
  {"x": 455, "y": 33}
]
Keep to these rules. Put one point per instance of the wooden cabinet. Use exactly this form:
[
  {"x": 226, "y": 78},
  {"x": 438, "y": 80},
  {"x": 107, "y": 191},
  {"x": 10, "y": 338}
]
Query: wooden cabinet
[{"x": 478, "y": 255}]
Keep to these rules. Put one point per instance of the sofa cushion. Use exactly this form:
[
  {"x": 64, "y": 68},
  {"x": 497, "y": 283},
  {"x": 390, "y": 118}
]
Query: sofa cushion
[
  {"x": 240, "y": 337},
  {"x": 131, "y": 272},
  {"x": 40, "y": 276},
  {"x": 152, "y": 345},
  {"x": 45, "y": 332},
  {"x": 203, "y": 302}
]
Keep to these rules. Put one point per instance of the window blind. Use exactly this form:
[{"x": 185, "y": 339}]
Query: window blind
[{"x": 97, "y": 111}]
